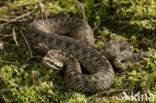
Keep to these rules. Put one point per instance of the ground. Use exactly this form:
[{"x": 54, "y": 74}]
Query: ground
[{"x": 29, "y": 81}]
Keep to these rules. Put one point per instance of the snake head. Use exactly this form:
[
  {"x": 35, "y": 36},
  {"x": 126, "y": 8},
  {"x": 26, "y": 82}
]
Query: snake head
[{"x": 52, "y": 63}]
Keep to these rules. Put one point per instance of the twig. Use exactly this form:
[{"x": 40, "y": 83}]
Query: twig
[
  {"x": 19, "y": 5},
  {"x": 1, "y": 45},
  {"x": 5, "y": 36},
  {"x": 3, "y": 81},
  {"x": 26, "y": 63},
  {"x": 1, "y": 29},
  {"x": 109, "y": 91},
  {"x": 43, "y": 10},
  {"x": 83, "y": 14},
  {"x": 99, "y": 37},
  {"x": 18, "y": 12},
  {"x": 15, "y": 19},
  {"x": 6, "y": 16},
  {"x": 14, "y": 35},
  {"x": 96, "y": 27},
  {"x": 81, "y": 9},
  {"x": 36, "y": 89},
  {"x": 31, "y": 55},
  {"x": 38, "y": 12},
  {"x": 4, "y": 61},
  {"x": 141, "y": 42},
  {"x": 12, "y": 20}
]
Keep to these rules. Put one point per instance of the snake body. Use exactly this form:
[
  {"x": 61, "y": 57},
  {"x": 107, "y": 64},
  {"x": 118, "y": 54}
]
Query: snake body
[{"x": 78, "y": 52}]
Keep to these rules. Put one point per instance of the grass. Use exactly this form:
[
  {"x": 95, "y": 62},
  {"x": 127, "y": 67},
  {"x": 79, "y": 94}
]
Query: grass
[{"x": 132, "y": 21}]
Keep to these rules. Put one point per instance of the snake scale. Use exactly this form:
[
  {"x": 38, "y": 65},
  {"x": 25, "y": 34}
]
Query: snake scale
[{"x": 79, "y": 52}]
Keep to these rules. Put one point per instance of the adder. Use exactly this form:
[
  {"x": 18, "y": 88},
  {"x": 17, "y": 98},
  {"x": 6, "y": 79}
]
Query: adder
[{"x": 79, "y": 51}]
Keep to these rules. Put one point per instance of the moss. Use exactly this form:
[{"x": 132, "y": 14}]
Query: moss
[{"x": 131, "y": 20}]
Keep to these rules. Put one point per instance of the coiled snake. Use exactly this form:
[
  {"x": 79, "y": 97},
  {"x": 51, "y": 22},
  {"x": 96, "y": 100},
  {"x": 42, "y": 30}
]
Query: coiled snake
[{"x": 79, "y": 51}]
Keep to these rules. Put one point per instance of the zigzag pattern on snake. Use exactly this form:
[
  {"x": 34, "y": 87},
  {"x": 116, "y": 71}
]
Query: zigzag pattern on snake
[{"x": 79, "y": 51}]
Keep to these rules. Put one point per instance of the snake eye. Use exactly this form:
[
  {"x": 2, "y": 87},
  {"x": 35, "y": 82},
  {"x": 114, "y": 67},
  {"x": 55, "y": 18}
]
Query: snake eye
[{"x": 49, "y": 62}]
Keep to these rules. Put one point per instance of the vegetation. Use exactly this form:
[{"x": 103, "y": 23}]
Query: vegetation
[{"x": 29, "y": 81}]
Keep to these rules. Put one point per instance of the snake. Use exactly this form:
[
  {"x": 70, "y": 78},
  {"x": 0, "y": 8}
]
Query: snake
[{"x": 88, "y": 68}]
